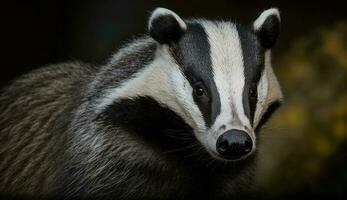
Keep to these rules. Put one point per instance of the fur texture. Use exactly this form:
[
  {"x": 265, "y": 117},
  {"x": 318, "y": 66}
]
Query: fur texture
[
  {"x": 35, "y": 114},
  {"x": 133, "y": 128}
]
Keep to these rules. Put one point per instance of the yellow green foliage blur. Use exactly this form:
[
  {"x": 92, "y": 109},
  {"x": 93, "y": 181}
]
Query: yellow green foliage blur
[{"x": 304, "y": 147}]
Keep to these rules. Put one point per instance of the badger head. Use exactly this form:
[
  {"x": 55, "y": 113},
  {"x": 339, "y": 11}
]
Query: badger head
[
  {"x": 215, "y": 75},
  {"x": 224, "y": 81}
]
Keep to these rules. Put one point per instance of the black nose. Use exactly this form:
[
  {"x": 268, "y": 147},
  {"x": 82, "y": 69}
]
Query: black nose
[{"x": 234, "y": 144}]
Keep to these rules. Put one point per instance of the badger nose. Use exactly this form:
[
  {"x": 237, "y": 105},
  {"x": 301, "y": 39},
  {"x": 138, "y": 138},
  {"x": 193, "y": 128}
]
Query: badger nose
[{"x": 234, "y": 144}]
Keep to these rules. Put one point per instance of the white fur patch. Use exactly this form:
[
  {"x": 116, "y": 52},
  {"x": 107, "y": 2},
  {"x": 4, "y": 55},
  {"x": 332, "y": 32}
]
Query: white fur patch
[
  {"x": 274, "y": 90},
  {"x": 262, "y": 89},
  {"x": 163, "y": 81},
  {"x": 268, "y": 89},
  {"x": 228, "y": 69},
  {"x": 258, "y": 23},
  {"x": 162, "y": 12}
]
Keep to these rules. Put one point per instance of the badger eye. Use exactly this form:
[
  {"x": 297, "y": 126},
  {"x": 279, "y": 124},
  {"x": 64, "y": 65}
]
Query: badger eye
[{"x": 199, "y": 90}]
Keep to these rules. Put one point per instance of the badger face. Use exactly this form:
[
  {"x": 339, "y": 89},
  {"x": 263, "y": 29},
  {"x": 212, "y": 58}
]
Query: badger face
[
  {"x": 215, "y": 77},
  {"x": 220, "y": 78}
]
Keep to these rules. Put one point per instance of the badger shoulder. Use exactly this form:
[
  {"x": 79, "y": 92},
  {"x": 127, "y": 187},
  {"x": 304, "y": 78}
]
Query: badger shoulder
[
  {"x": 34, "y": 112},
  {"x": 123, "y": 65}
]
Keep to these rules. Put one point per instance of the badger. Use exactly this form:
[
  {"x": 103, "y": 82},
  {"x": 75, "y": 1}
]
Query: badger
[{"x": 172, "y": 115}]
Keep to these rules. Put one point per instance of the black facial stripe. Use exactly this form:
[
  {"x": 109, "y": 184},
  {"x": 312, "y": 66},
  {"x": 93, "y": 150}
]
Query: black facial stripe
[
  {"x": 253, "y": 58},
  {"x": 154, "y": 123},
  {"x": 268, "y": 113},
  {"x": 193, "y": 54}
]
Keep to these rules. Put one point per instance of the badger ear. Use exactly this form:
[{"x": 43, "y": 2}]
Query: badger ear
[
  {"x": 267, "y": 27},
  {"x": 166, "y": 26}
]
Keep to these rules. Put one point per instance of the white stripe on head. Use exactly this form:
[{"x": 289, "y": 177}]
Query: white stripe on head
[
  {"x": 262, "y": 94},
  {"x": 228, "y": 69}
]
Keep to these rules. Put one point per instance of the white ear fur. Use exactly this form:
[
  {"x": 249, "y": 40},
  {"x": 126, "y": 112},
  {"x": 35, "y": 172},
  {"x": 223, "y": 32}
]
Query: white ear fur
[
  {"x": 267, "y": 27},
  {"x": 258, "y": 23},
  {"x": 164, "y": 12}
]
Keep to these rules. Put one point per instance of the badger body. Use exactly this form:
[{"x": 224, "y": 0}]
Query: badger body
[
  {"x": 171, "y": 115},
  {"x": 35, "y": 115}
]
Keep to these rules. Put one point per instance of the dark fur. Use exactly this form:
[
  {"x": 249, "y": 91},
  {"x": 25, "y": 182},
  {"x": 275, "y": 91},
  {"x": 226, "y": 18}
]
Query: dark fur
[
  {"x": 35, "y": 112},
  {"x": 55, "y": 144},
  {"x": 49, "y": 132}
]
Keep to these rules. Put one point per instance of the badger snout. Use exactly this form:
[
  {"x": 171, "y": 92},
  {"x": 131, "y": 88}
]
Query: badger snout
[{"x": 234, "y": 144}]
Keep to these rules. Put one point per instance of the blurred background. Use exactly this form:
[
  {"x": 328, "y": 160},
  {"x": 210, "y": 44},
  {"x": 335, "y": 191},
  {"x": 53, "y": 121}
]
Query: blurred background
[{"x": 303, "y": 148}]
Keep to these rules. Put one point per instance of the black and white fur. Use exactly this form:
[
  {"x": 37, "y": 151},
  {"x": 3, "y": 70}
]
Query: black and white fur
[{"x": 136, "y": 128}]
